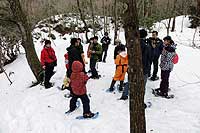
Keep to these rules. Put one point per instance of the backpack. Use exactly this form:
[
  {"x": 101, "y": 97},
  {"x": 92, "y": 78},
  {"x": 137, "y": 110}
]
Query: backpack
[{"x": 175, "y": 59}]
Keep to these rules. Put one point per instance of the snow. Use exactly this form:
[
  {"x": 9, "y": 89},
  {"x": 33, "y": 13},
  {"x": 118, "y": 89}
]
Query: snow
[{"x": 39, "y": 110}]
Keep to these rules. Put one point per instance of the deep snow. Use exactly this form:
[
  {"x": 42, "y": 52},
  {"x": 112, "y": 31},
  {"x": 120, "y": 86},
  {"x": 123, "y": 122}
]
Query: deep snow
[{"x": 37, "y": 110}]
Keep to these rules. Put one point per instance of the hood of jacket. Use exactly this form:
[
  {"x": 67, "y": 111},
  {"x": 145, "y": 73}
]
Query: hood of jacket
[
  {"x": 123, "y": 54},
  {"x": 77, "y": 66}
]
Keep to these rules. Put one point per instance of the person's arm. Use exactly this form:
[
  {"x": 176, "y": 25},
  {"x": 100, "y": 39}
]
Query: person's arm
[
  {"x": 117, "y": 60},
  {"x": 42, "y": 59}
]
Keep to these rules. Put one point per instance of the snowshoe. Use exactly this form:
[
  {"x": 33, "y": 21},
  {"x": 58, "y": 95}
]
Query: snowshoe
[
  {"x": 158, "y": 93},
  {"x": 88, "y": 117},
  {"x": 154, "y": 78}
]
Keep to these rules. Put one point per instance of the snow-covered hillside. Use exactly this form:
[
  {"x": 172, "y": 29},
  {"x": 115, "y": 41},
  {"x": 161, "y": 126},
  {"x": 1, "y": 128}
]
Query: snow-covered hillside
[{"x": 39, "y": 110}]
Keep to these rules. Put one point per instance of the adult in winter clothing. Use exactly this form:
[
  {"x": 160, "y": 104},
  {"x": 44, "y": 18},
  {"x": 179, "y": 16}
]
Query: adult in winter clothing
[
  {"x": 146, "y": 56},
  {"x": 156, "y": 50},
  {"x": 80, "y": 47},
  {"x": 74, "y": 54},
  {"x": 166, "y": 66},
  {"x": 89, "y": 46},
  {"x": 48, "y": 61},
  {"x": 105, "y": 43},
  {"x": 95, "y": 51},
  {"x": 78, "y": 80},
  {"x": 88, "y": 50},
  {"x": 119, "y": 47},
  {"x": 121, "y": 62}
]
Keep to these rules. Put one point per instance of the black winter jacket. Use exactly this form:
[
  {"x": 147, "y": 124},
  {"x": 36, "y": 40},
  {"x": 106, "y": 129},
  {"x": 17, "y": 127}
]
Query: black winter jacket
[
  {"x": 156, "y": 47},
  {"x": 74, "y": 54},
  {"x": 146, "y": 55}
]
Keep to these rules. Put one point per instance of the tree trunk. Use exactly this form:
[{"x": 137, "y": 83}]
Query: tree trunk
[
  {"x": 135, "y": 72},
  {"x": 27, "y": 41},
  {"x": 173, "y": 24},
  {"x": 168, "y": 26},
  {"x": 104, "y": 19},
  {"x": 174, "y": 18},
  {"x": 82, "y": 16},
  {"x": 93, "y": 19},
  {"x": 115, "y": 15}
]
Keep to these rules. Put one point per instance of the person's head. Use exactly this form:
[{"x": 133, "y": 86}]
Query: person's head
[
  {"x": 106, "y": 34},
  {"x": 79, "y": 40},
  {"x": 91, "y": 40},
  {"x": 143, "y": 33},
  {"x": 74, "y": 41},
  {"x": 47, "y": 43},
  {"x": 95, "y": 39},
  {"x": 117, "y": 41},
  {"x": 154, "y": 34},
  {"x": 167, "y": 40}
]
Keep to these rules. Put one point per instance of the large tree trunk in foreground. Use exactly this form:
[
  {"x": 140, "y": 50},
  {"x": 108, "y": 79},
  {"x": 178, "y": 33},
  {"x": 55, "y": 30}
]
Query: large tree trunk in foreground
[
  {"x": 135, "y": 72},
  {"x": 27, "y": 41}
]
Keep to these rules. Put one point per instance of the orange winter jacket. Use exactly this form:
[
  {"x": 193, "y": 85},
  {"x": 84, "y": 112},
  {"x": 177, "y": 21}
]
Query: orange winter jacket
[{"x": 121, "y": 62}]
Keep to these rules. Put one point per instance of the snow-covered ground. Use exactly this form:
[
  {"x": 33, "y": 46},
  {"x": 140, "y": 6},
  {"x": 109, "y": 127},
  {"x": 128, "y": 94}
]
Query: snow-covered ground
[{"x": 37, "y": 110}]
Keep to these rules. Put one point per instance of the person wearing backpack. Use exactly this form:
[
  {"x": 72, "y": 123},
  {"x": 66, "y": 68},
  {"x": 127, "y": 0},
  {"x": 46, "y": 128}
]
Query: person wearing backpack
[
  {"x": 166, "y": 66},
  {"x": 48, "y": 61}
]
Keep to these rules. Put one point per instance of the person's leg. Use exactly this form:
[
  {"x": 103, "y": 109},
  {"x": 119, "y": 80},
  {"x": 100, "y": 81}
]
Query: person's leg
[
  {"x": 164, "y": 81},
  {"x": 73, "y": 101},
  {"x": 155, "y": 67},
  {"x": 121, "y": 85},
  {"x": 47, "y": 77},
  {"x": 51, "y": 72},
  {"x": 105, "y": 55},
  {"x": 112, "y": 85},
  {"x": 149, "y": 74},
  {"x": 92, "y": 67},
  {"x": 145, "y": 80},
  {"x": 125, "y": 92},
  {"x": 86, "y": 104}
]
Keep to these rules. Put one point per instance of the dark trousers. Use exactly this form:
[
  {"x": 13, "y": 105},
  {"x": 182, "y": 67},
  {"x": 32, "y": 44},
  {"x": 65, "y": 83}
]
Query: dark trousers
[
  {"x": 93, "y": 63},
  {"x": 48, "y": 74},
  {"x": 164, "y": 84},
  {"x": 85, "y": 101},
  {"x": 155, "y": 67},
  {"x": 104, "y": 51}
]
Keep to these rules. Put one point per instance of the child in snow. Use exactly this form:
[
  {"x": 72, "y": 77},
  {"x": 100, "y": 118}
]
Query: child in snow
[
  {"x": 66, "y": 80},
  {"x": 166, "y": 66},
  {"x": 48, "y": 61},
  {"x": 78, "y": 85},
  {"x": 121, "y": 62}
]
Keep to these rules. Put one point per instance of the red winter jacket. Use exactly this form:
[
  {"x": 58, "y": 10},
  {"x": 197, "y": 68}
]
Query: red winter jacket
[
  {"x": 66, "y": 61},
  {"x": 47, "y": 56},
  {"x": 78, "y": 79}
]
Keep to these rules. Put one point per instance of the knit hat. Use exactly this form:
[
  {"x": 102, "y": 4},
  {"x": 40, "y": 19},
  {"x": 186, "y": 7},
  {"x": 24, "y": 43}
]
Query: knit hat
[{"x": 167, "y": 38}]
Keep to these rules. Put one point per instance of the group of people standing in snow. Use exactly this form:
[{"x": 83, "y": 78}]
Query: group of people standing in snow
[
  {"x": 76, "y": 75},
  {"x": 152, "y": 48}
]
